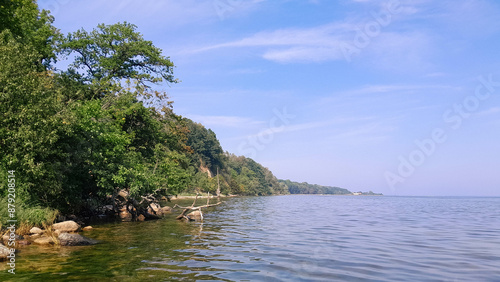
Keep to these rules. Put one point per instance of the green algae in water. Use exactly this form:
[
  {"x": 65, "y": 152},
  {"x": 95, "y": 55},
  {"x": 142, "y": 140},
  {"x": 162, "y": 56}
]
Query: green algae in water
[{"x": 128, "y": 251}]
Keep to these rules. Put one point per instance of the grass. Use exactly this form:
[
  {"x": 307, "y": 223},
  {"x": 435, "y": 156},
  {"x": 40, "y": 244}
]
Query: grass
[{"x": 26, "y": 216}]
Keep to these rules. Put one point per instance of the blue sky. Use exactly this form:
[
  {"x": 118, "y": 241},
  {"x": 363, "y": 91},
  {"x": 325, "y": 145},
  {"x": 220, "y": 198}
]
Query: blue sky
[{"x": 398, "y": 97}]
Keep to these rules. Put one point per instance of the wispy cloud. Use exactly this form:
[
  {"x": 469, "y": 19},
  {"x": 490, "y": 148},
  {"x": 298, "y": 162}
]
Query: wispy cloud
[
  {"x": 321, "y": 43},
  {"x": 329, "y": 42},
  {"x": 226, "y": 121},
  {"x": 403, "y": 44},
  {"x": 306, "y": 126}
]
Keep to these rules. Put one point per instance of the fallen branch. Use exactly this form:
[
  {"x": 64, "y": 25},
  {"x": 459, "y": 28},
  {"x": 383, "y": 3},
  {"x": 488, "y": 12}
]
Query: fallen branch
[{"x": 193, "y": 208}]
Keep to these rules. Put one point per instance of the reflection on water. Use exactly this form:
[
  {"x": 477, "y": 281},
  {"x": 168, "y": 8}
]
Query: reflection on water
[{"x": 300, "y": 238}]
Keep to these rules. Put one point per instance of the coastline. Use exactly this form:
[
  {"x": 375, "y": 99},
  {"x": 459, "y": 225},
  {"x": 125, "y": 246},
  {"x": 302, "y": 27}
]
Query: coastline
[{"x": 187, "y": 197}]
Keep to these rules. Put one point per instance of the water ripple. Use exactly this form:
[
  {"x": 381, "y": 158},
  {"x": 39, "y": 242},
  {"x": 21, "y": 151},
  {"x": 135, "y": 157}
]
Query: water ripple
[{"x": 325, "y": 238}]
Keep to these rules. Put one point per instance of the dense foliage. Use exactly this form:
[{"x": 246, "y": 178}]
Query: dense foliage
[
  {"x": 77, "y": 136},
  {"x": 252, "y": 177},
  {"x": 306, "y": 188}
]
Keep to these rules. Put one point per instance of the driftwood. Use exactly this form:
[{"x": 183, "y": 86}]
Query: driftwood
[
  {"x": 193, "y": 208},
  {"x": 136, "y": 207}
]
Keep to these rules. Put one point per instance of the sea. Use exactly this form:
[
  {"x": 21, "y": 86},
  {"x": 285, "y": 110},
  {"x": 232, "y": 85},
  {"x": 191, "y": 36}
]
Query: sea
[{"x": 288, "y": 238}]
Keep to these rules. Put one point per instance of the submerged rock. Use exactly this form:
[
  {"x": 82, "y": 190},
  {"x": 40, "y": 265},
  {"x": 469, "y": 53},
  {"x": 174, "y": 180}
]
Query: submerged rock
[
  {"x": 66, "y": 226},
  {"x": 67, "y": 239},
  {"x": 24, "y": 242},
  {"x": 4, "y": 252},
  {"x": 195, "y": 215},
  {"x": 44, "y": 241},
  {"x": 36, "y": 230},
  {"x": 16, "y": 237},
  {"x": 166, "y": 209}
]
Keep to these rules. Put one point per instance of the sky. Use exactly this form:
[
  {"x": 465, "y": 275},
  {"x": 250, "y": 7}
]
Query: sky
[{"x": 398, "y": 97}]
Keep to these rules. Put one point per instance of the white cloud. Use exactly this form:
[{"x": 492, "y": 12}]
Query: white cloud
[
  {"x": 225, "y": 121},
  {"x": 339, "y": 40}
]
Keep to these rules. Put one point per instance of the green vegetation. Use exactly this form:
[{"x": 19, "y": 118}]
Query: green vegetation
[
  {"x": 78, "y": 137},
  {"x": 306, "y": 188},
  {"x": 75, "y": 137}
]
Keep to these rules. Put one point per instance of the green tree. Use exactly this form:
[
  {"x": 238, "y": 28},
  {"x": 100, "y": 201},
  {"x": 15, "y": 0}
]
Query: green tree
[
  {"x": 207, "y": 151},
  {"x": 30, "y": 26},
  {"x": 109, "y": 55}
]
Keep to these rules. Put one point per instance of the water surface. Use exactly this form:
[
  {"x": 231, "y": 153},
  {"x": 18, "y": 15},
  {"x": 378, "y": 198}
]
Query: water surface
[{"x": 290, "y": 238}]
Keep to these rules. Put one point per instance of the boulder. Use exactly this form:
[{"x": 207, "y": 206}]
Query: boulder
[
  {"x": 195, "y": 215},
  {"x": 125, "y": 215},
  {"x": 4, "y": 252},
  {"x": 154, "y": 208},
  {"x": 87, "y": 228},
  {"x": 67, "y": 239},
  {"x": 36, "y": 230},
  {"x": 106, "y": 209},
  {"x": 44, "y": 241},
  {"x": 6, "y": 237},
  {"x": 34, "y": 236},
  {"x": 66, "y": 226},
  {"x": 166, "y": 209}
]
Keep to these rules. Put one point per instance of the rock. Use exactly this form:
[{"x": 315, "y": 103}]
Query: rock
[
  {"x": 141, "y": 217},
  {"x": 67, "y": 239},
  {"x": 154, "y": 208},
  {"x": 66, "y": 226},
  {"x": 4, "y": 252},
  {"x": 87, "y": 228},
  {"x": 195, "y": 215},
  {"x": 34, "y": 236},
  {"x": 122, "y": 195},
  {"x": 107, "y": 209},
  {"x": 44, "y": 241},
  {"x": 166, "y": 209},
  {"x": 36, "y": 230},
  {"x": 6, "y": 237},
  {"x": 125, "y": 215},
  {"x": 23, "y": 242}
]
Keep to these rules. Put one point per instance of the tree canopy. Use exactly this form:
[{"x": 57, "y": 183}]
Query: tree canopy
[
  {"x": 77, "y": 136},
  {"x": 111, "y": 54},
  {"x": 306, "y": 188}
]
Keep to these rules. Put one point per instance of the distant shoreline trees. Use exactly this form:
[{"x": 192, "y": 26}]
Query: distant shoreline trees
[{"x": 306, "y": 188}]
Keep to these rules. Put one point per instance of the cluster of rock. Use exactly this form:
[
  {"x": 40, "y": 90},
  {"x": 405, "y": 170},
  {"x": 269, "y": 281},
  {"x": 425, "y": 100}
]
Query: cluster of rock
[
  {"x": 153, "y": 211},
  {"x": 62, "y": 233},
  {"x": 127, "y": 208}
]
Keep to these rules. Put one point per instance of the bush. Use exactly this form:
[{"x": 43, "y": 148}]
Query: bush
[{"x": 27, "y": 217}]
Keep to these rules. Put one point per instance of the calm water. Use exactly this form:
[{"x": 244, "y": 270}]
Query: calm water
[{"x": 290, "y": 238}]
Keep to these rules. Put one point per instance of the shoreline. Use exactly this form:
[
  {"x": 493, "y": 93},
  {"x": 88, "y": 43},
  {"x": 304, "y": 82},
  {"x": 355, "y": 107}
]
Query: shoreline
[{"x": 188, "y": 197}]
